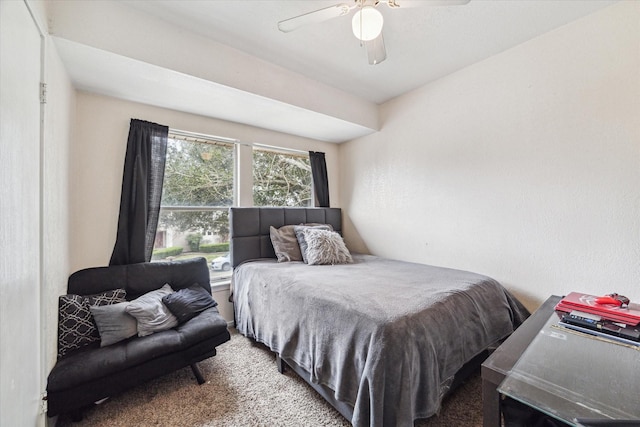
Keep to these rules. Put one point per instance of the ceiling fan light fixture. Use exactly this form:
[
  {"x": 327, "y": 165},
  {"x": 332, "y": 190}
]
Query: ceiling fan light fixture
[{"x": 367, "y": 23}]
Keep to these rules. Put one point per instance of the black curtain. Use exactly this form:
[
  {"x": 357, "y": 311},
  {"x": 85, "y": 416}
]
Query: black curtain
[
  {"x": 141, "y": 192},
  {"x": 320, "y": 180}
]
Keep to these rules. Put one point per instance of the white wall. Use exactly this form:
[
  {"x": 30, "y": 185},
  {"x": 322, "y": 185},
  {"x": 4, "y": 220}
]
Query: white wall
[
  {"x": 58, "y": 120},
  {"x": 33, "y": 225},
  {"x": 524, "y": 167},
  {"x": 100, "y": 139},
  {"x": 20, "y": 254}
]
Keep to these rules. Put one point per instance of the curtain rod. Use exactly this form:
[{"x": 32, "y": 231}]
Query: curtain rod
[
  {"x": 188, "y": 134},
  {"x": 272, "y": 147}
]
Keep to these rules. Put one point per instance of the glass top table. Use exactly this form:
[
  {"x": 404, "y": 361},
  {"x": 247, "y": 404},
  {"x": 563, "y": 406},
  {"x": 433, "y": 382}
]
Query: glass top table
[{"x": 571, "y": 375}]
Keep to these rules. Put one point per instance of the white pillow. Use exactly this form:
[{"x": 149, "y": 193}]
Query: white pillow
[
  {"x": 152, "y": 315},
  {"x": 325, "y": 247}
]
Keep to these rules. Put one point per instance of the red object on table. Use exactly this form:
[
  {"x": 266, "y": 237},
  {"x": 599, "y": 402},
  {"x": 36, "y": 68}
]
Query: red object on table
[
  {"x": 615, "y": 299},
  {"x": 586, "y": 303}
]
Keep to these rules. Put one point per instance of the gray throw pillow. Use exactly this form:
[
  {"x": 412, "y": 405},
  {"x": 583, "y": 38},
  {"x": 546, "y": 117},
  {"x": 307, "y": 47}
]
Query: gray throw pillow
[
  {"x": 152, "y": 315},
  {"x": 76, "y": 327},
  {"x": 300, "y": 236},
  {"x": 285, "y": 243},
  {"x": 114, "y": 323},
  {"x": 326, "y": 247}
]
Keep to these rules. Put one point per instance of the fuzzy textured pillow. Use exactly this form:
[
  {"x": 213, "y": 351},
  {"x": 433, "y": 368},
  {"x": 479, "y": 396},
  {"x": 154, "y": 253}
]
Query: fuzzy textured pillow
[
  {"x": 76, "y": 327},
  {"x": 114, "y": 323},
  {"x": 326, "y": 247},
  {"x": 302, "y": 240},
  {"x": 285, "y": 241},
  {"x": 152, "y": 315}
]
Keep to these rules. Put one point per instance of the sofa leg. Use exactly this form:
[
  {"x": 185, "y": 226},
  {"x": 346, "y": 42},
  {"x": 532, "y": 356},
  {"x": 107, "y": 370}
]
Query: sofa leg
[
  {"x": 76, "y": 416},
  {"x": 73, "y": 416},
  {"x": 197, "y": 373}
]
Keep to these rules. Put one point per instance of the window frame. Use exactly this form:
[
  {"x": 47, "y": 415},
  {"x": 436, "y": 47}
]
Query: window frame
[
  {"x": 242, "y": 174},
  {"x": 285, "y": 151}
]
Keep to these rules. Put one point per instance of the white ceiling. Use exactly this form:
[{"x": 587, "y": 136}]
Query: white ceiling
[
  {"x": 99, "y": 71},
  {"x": 423, "y": 44}
]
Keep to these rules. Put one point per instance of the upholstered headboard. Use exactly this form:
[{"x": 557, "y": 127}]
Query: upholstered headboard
[{"x": 249, "y": 228}]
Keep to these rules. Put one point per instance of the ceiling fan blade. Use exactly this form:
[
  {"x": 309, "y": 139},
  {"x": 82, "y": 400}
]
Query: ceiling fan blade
[
  {"x": 405, "y": 4},
  {"x": 376, "y": 52},
  {"x": 314, "y": 17}
]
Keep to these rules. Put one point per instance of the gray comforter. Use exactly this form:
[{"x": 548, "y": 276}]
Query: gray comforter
[{"x": 386, "y": 336}]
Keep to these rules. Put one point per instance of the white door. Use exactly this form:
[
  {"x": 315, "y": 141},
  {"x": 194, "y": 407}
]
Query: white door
[{"x": 20, "y": 210}]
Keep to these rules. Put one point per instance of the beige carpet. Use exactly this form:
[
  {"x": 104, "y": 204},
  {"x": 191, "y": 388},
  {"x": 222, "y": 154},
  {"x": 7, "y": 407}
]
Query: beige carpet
[{"x": 244, "y": 388}]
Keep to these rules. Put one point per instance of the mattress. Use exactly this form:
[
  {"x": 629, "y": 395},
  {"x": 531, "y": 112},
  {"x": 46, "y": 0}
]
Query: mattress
[{"x": 386, "y": 336}]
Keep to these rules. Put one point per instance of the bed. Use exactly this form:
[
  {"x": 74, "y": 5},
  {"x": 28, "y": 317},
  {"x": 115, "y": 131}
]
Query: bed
[{"x": 382, "y": 340}]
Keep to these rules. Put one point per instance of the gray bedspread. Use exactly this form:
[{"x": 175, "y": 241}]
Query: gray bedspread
[{"x": 386, "y": 336}]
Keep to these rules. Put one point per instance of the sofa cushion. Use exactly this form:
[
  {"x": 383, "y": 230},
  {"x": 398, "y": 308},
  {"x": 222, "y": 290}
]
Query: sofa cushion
[
  {"x": 152, "y": 315},
  {"x": 92, "y": 363},
  {"x": 76, "y": 327},
  {"x": 186, "y": 303}
]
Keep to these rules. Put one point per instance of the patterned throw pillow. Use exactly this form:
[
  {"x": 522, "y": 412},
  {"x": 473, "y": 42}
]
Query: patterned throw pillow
[
  {"x": 107, "y": 298},
  {"x": 76, "y": 327}
]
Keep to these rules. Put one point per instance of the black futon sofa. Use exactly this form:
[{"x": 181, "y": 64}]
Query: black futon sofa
[{"x": 92, "y": 373}]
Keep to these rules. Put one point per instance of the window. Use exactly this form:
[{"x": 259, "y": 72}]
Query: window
[
  {"x": 199, "y": 187},
  {"x": 196, "y": 194},
  {"x": 281, "y": 178}
]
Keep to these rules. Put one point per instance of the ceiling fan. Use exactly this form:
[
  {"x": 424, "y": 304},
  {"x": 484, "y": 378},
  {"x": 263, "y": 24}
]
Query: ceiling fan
[{"x": 366, "y": 22}]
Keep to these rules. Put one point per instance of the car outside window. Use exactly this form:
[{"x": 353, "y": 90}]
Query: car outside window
[
  {"x": 199, "y": 187},
  {"x": 196, "y": 195}
]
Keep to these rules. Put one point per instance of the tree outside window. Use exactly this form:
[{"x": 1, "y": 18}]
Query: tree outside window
[
  {"x": 196, "y": 195},
  {"x": 281, "y": 178},
  {"x": 198, "y": 190}
]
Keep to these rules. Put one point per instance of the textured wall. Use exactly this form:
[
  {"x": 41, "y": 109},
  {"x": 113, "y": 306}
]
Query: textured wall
[
  {"x": 34, "y": 209},
  {"x": 59, "y": 121},
  {"x": 20, "y": 243},
  {"x": 524, "y": 167}
]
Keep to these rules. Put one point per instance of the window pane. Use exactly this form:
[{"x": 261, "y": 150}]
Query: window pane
[
  {"x": 195, "y": 233},
  {"x": 281, "y": 179},
  {"x": 198, "y": 174},
  {"x": 196, "y": 193}
]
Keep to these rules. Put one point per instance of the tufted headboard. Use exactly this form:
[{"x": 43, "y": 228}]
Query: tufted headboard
[{"x": 249, "y": 228}]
